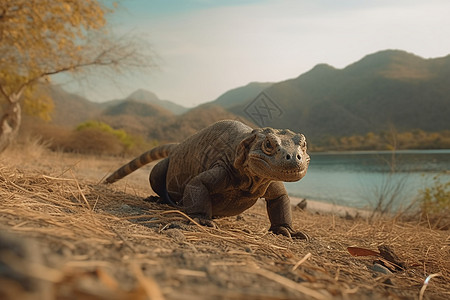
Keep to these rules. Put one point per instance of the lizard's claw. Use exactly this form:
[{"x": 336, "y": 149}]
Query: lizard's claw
[
  {"x": 153, "y": 199},
  {"x": 286, "y": 230},
  {"x": 300, "y": 235},
  {"x": 206, "y": 222}
]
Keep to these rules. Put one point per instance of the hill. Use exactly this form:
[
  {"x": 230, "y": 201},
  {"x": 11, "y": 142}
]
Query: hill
[
  {"x": 134, "y": 117},
  {"x": 387, "y": 88},
  {"x": 241, "y": 94},
  {"x": 156, "y": 123},
  {"x": 70, "y": 109},
  {"x": 180, "y": 127},
  {"x": 135, "y": 108},
  {"x": 141, "y": 113},
  {"x": 148, "y": 97}
]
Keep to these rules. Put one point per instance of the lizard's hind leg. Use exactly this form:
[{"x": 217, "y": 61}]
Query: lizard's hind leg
[{"x": 157, "y": 179}]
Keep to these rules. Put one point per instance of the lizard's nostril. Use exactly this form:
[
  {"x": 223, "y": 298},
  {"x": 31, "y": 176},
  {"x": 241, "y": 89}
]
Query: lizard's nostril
[
  {"x": 299, "y": 157},
  {"x": 288, "y": 156}
]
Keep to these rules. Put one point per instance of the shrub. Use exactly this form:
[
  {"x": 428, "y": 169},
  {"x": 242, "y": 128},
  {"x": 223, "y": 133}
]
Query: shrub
[
  {"x": 117, "y": 140},
  {"x": 90, "y": 137},
  {"x": 435, "y": 204},
  {"x": 55, "y": 137},
  {"x": 123, "y": 137},
  {"x": 93, "y": 141}
]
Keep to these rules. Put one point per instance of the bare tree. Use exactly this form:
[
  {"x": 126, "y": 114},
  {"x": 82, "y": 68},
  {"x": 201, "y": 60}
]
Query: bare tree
[{"x": 39, "y": 39}]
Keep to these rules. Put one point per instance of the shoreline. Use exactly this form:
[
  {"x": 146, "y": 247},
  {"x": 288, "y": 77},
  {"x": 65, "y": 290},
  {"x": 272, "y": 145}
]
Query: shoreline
[
  {"x": 398, "y": 151},
  {"x": 315, "y": 206}
]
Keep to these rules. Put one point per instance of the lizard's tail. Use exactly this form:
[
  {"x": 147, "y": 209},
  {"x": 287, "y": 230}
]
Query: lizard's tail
[{"x": 154, "y": 154}]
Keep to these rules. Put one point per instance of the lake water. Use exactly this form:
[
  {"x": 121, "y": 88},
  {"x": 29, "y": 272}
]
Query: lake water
[{"x": 357, "y": 179}]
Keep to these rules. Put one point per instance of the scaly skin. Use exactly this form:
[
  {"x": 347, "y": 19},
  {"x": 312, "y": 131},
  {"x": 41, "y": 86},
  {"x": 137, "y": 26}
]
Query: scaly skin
[{"x": 223, "y": 169}]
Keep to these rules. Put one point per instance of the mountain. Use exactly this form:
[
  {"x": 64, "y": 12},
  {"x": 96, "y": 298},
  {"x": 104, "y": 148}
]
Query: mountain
[
  {"x": 141, "y": 113},
  {"x": 136, "y": 108},
  {"x": 238, "y": 95},
  {"x": 386, "y": 88},
  {"x": 390, "y": 88},
  {"x": 182, "y": 126},
  {"x": 134, "y": 117},
  {"x": 144, "y": 114},
  {"x": 149, "y": 97},
  {"x": 70, "y": 109}
]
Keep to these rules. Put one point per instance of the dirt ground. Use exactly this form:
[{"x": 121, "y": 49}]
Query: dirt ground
[{"x": 63, "y": 235}]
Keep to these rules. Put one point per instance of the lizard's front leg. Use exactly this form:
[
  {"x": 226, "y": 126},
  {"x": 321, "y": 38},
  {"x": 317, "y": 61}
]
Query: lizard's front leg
[
  {"x": 280, "y": 212},
  {"x": 196, "y": 196}
]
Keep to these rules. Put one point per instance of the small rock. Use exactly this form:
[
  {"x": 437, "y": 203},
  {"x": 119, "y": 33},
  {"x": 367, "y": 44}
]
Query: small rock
[
  {"x": 379, "y": 268},
  {"x": 125, "y": 207},
  {"x": 248, "y": 249},
  {"x": 302, "y": 204},
  {"x": 176, "y": 234},
  {"x": 240, "y": 218}
]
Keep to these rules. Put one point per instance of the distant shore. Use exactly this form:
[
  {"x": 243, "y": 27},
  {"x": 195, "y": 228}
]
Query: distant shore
[{"x": 315, "y": 206}]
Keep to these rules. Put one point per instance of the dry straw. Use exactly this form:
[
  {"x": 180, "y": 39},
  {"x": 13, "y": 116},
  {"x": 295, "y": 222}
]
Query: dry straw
[{"x": 103, "y": 243}]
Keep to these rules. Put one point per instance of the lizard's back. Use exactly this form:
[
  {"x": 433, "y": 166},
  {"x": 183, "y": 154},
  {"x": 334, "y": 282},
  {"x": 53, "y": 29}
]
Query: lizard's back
[{"x": 213, "y": 146}]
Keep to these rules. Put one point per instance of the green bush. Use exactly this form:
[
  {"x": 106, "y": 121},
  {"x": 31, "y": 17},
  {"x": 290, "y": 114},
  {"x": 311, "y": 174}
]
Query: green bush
[
  {"x": 93, "y": 141},
  {"x": 90, "y": 137},
  {"x": 112, "y": 139},
  {"x": 435, "y": 204},
  {"x": 126, "y": 140}
]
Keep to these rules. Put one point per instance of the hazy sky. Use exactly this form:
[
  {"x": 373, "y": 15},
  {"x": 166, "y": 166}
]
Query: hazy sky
[{"x": 206, "y": 47}]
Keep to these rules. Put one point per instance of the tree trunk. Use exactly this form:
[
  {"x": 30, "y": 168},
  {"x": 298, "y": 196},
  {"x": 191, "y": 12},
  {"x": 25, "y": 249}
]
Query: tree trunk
[{"x": 10, "y": 124}]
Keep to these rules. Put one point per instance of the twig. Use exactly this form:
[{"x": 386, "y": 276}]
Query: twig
[
  {"x": 81, "y": 193},
  {"x": 307, "y": 256},
  {"x": 149, "y": 285},
  {"x": 425, "y": 284},
  {"x": 58, "y": 178},
  {"x": 187, "y": 217},
  {"x": 59, "y": 203},
  {"x": 193, "y": 273},
  {"x": 126, "y": 242},
  {"x": 290, "y": 284},
  {"x": 89, "y": 264}
]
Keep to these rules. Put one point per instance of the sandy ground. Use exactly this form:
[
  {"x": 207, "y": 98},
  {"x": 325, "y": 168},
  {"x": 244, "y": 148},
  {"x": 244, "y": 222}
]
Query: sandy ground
[{"x": 65, "y": 236}]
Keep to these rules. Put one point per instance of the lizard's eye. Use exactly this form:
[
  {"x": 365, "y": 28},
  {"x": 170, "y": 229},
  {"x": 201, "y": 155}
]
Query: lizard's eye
[
  {"x": 303, "y": 142},
  {"x": 267, "y": 147}
]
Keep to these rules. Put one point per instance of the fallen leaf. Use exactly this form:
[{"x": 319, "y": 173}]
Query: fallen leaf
[{"x": 357, "y": 251}]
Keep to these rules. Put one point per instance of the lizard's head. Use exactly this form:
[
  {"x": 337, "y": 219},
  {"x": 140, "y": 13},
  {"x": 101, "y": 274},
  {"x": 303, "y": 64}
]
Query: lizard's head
[{"x": 276, "y": 154}]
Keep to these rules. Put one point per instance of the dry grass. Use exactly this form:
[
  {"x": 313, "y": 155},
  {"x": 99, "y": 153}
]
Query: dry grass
[{"x": 81, "y": 239}]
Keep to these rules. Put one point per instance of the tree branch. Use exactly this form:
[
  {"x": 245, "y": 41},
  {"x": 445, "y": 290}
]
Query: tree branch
[
  {"x": 101, "y": 59},
  {"x": 4, "y": 93}
]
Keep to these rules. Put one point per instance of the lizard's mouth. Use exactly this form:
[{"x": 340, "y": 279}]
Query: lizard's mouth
[{"x": 264, "y": 168}]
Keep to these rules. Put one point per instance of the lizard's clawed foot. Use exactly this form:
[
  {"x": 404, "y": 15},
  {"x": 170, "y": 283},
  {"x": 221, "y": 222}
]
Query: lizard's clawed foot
[
  {"x": 153, "y": 199},
  {"x": 286, "y": 230},
  {"x": 206, "y": 222}
]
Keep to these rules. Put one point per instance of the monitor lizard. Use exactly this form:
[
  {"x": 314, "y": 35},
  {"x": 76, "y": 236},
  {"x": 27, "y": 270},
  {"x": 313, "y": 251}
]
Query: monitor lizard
[{"x": 223, "y": 169}]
